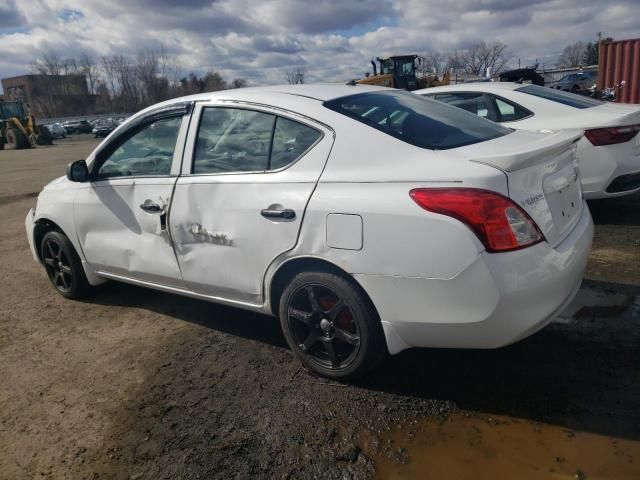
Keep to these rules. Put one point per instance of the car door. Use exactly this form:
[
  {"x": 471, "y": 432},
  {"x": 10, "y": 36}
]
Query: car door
[
  {"x": 121, "y": 216},
  {"x": 241, "y": 198}
]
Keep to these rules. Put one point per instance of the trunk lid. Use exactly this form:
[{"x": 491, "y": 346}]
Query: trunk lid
[{"x": 542, "y": 175}]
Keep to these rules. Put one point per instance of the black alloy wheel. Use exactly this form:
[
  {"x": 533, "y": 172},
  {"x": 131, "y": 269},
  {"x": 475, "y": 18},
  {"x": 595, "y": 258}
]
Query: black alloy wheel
[
  {"x": 323, "y": 326},
  {"x": 330, "y": 325},
  {"x": 63, "y": 266}
]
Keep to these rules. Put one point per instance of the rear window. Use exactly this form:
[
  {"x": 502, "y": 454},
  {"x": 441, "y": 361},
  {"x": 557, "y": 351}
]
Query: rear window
[
  {"x": 417, "y": 120},
  {"x": 558, "y": 96}
]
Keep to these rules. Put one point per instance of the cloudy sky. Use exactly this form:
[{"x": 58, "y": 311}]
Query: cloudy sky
[{"x": 335, "y": 39}]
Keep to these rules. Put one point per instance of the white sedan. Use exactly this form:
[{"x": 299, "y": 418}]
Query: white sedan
[
  {"x": 609, "y": 153},
  {"x": 370, "y": 220}
]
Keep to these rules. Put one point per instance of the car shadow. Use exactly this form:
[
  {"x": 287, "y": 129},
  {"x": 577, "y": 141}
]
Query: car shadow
[
  {"x": 616, "y": 211},
  {"x": 235, "y": 321},
  {"x": 581, "y": 375}
]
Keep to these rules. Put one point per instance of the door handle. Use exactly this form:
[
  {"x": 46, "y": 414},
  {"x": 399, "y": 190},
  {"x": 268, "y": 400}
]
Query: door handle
[
  {"x": 278, "y": 213},
  {"x": 150, "y": 207}
]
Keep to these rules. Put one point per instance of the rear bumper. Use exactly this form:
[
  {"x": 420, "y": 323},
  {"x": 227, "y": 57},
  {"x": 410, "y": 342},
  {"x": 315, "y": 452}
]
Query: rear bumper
[
  {"x": 601, "y": 167},
  {"x": 497, "y": 300}
]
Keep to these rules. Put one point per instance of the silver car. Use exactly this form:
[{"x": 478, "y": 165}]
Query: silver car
[{"x": 576, "y": 82}]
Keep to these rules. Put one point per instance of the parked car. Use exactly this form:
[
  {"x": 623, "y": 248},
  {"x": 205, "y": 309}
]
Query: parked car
[
  {"x": 576, "y": 82},
  {"x": 103, "y": 129},
  {"x": 370, "y": 220},
  {"x": 57, "y": 130},
  {"x": 77, "y": 126},
  {"x": 609, "y": 152}
]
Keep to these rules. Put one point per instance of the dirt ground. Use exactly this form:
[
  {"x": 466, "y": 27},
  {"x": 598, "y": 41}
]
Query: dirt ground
[{"x": 133, "y": 383}]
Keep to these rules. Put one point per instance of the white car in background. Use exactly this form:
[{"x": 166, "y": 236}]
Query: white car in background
[
  {"x": 609, "y": 153},
  {"x": 57, "y": 130},
  {"x": 370, "y": 220}
]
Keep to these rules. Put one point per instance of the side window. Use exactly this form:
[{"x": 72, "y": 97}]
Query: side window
[
  {"x": 475, "y": 102},
  {"x": 233, "y": 140},
  {"x": 147, "y": 152},
  {"x": 290, "y": 141},
  {"x": 509, "y": 112}
]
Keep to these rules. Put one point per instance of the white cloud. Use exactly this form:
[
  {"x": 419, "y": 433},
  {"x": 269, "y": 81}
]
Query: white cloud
[{"x": 335, "y": 39}]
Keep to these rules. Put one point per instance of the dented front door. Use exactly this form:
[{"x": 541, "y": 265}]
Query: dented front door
[
  {"x": 121, "y": 216},
  {"x": 120, "y": 237}
]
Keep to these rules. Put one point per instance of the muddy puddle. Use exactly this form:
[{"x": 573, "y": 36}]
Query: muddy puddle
[{"x": 469, "y": 446}]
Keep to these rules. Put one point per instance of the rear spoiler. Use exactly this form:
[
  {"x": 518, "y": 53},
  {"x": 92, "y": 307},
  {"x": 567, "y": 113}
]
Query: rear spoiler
[{"x": 533, "y": 152}]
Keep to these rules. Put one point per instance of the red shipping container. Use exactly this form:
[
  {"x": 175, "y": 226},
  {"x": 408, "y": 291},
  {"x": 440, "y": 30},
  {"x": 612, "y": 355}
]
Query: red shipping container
[{"x": 620, "y": 60}]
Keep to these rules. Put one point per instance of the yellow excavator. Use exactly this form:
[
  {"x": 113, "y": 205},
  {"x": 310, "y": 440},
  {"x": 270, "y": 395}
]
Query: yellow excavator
[
  {"x": 400, "y": 72},
  {"x": 18, "y": 128}
]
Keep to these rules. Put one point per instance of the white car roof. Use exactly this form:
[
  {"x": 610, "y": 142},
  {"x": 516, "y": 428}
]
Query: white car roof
[
  {"x": 284, "y": 96},
  {"x": 318, "y": 91},
  {"x": 474, "y": 86}
]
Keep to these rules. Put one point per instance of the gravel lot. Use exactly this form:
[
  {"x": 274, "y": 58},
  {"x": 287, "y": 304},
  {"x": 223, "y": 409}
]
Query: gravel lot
[{"x": 133, "y": 383}]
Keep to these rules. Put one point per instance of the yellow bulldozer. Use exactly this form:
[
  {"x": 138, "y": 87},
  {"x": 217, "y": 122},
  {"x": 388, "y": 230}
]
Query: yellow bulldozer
[
  {"x": 18, "y": 128},
  {"x": 400, "y": 72}
]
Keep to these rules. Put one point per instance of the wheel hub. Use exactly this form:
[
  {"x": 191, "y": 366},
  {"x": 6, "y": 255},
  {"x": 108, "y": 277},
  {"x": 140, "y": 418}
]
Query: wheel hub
[{"x": 325, "y": 325}]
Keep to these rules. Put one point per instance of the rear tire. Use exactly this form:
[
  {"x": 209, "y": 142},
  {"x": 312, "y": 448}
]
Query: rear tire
[
  {"x": 15, "y": 139},
  {"x": 331, "y": 326},
  {"x": 63, "y": 265}
]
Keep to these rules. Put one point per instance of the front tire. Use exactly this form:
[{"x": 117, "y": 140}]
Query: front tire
[
  {"x": 63, "y": 265},
  {"x": 331, "y": 326}
]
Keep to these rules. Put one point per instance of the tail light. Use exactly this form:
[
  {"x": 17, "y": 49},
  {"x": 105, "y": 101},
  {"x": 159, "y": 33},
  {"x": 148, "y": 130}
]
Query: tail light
[
  {"x": 611, "y": 135},
  {"x": 500, "y": 224}
]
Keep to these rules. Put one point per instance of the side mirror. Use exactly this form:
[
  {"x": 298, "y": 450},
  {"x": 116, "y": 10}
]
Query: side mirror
[{"x": 78, "y": 171}]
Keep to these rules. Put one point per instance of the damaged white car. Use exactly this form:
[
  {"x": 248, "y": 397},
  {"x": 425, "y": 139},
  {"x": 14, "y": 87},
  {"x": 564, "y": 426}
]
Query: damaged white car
[{"x": 369, "y": 220}]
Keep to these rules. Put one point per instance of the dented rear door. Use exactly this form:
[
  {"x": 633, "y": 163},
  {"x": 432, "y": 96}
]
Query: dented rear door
[{"x": 228, "y": 224}]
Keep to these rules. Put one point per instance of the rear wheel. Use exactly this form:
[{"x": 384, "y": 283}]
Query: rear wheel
[
  {"x": 331, "y": 326},
  {"x": 63, "y": 266},
  {"x": 15, "y": 139}
]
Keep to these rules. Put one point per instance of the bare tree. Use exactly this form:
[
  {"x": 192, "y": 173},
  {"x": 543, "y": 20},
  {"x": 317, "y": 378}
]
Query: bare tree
[
  {"x": 295, "y": 75},
  {"x": 238, "y": 83},
  {"x": 572, "y": 55},
  {"x": 479, "y": 57},
  {"x": 431, "y": 63},
  {"x": 122, "y": 83},
  {"x": 213, "y": 82},
  {"x": 90, "y": 71}
]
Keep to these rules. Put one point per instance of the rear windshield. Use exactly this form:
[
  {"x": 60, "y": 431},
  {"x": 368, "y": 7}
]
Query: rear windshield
[
  {"x": 565, "y": 98},
  {"x": 417, "y": 120}
]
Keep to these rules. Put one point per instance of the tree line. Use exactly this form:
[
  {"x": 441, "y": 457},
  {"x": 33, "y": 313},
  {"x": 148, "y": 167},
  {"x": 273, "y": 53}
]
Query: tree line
[
  {"x": 122, "y": 83},
  {"x": 474, "y": 60},
  {"x": 579, "y": 54}
]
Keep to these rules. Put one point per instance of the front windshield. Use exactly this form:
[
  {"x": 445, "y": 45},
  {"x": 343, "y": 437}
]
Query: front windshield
[
  {"x": 10, "y": 109},
  {"x": 406, "y": 67},
  {"x": 386, "y": 67},
  {"x": 417, "y": 120}
]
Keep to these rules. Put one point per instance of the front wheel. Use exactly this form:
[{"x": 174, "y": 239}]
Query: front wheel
[
  {"x": 331, "y": 326},
  {"x": 63, "y": 266}
]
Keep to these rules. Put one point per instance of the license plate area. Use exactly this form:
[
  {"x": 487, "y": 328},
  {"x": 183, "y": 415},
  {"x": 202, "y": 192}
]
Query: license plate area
[{"x": 564, "y": 197}]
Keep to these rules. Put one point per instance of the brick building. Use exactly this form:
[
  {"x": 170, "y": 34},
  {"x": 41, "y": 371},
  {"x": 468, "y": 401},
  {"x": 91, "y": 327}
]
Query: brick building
[{"x": 51, "y": 95}]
